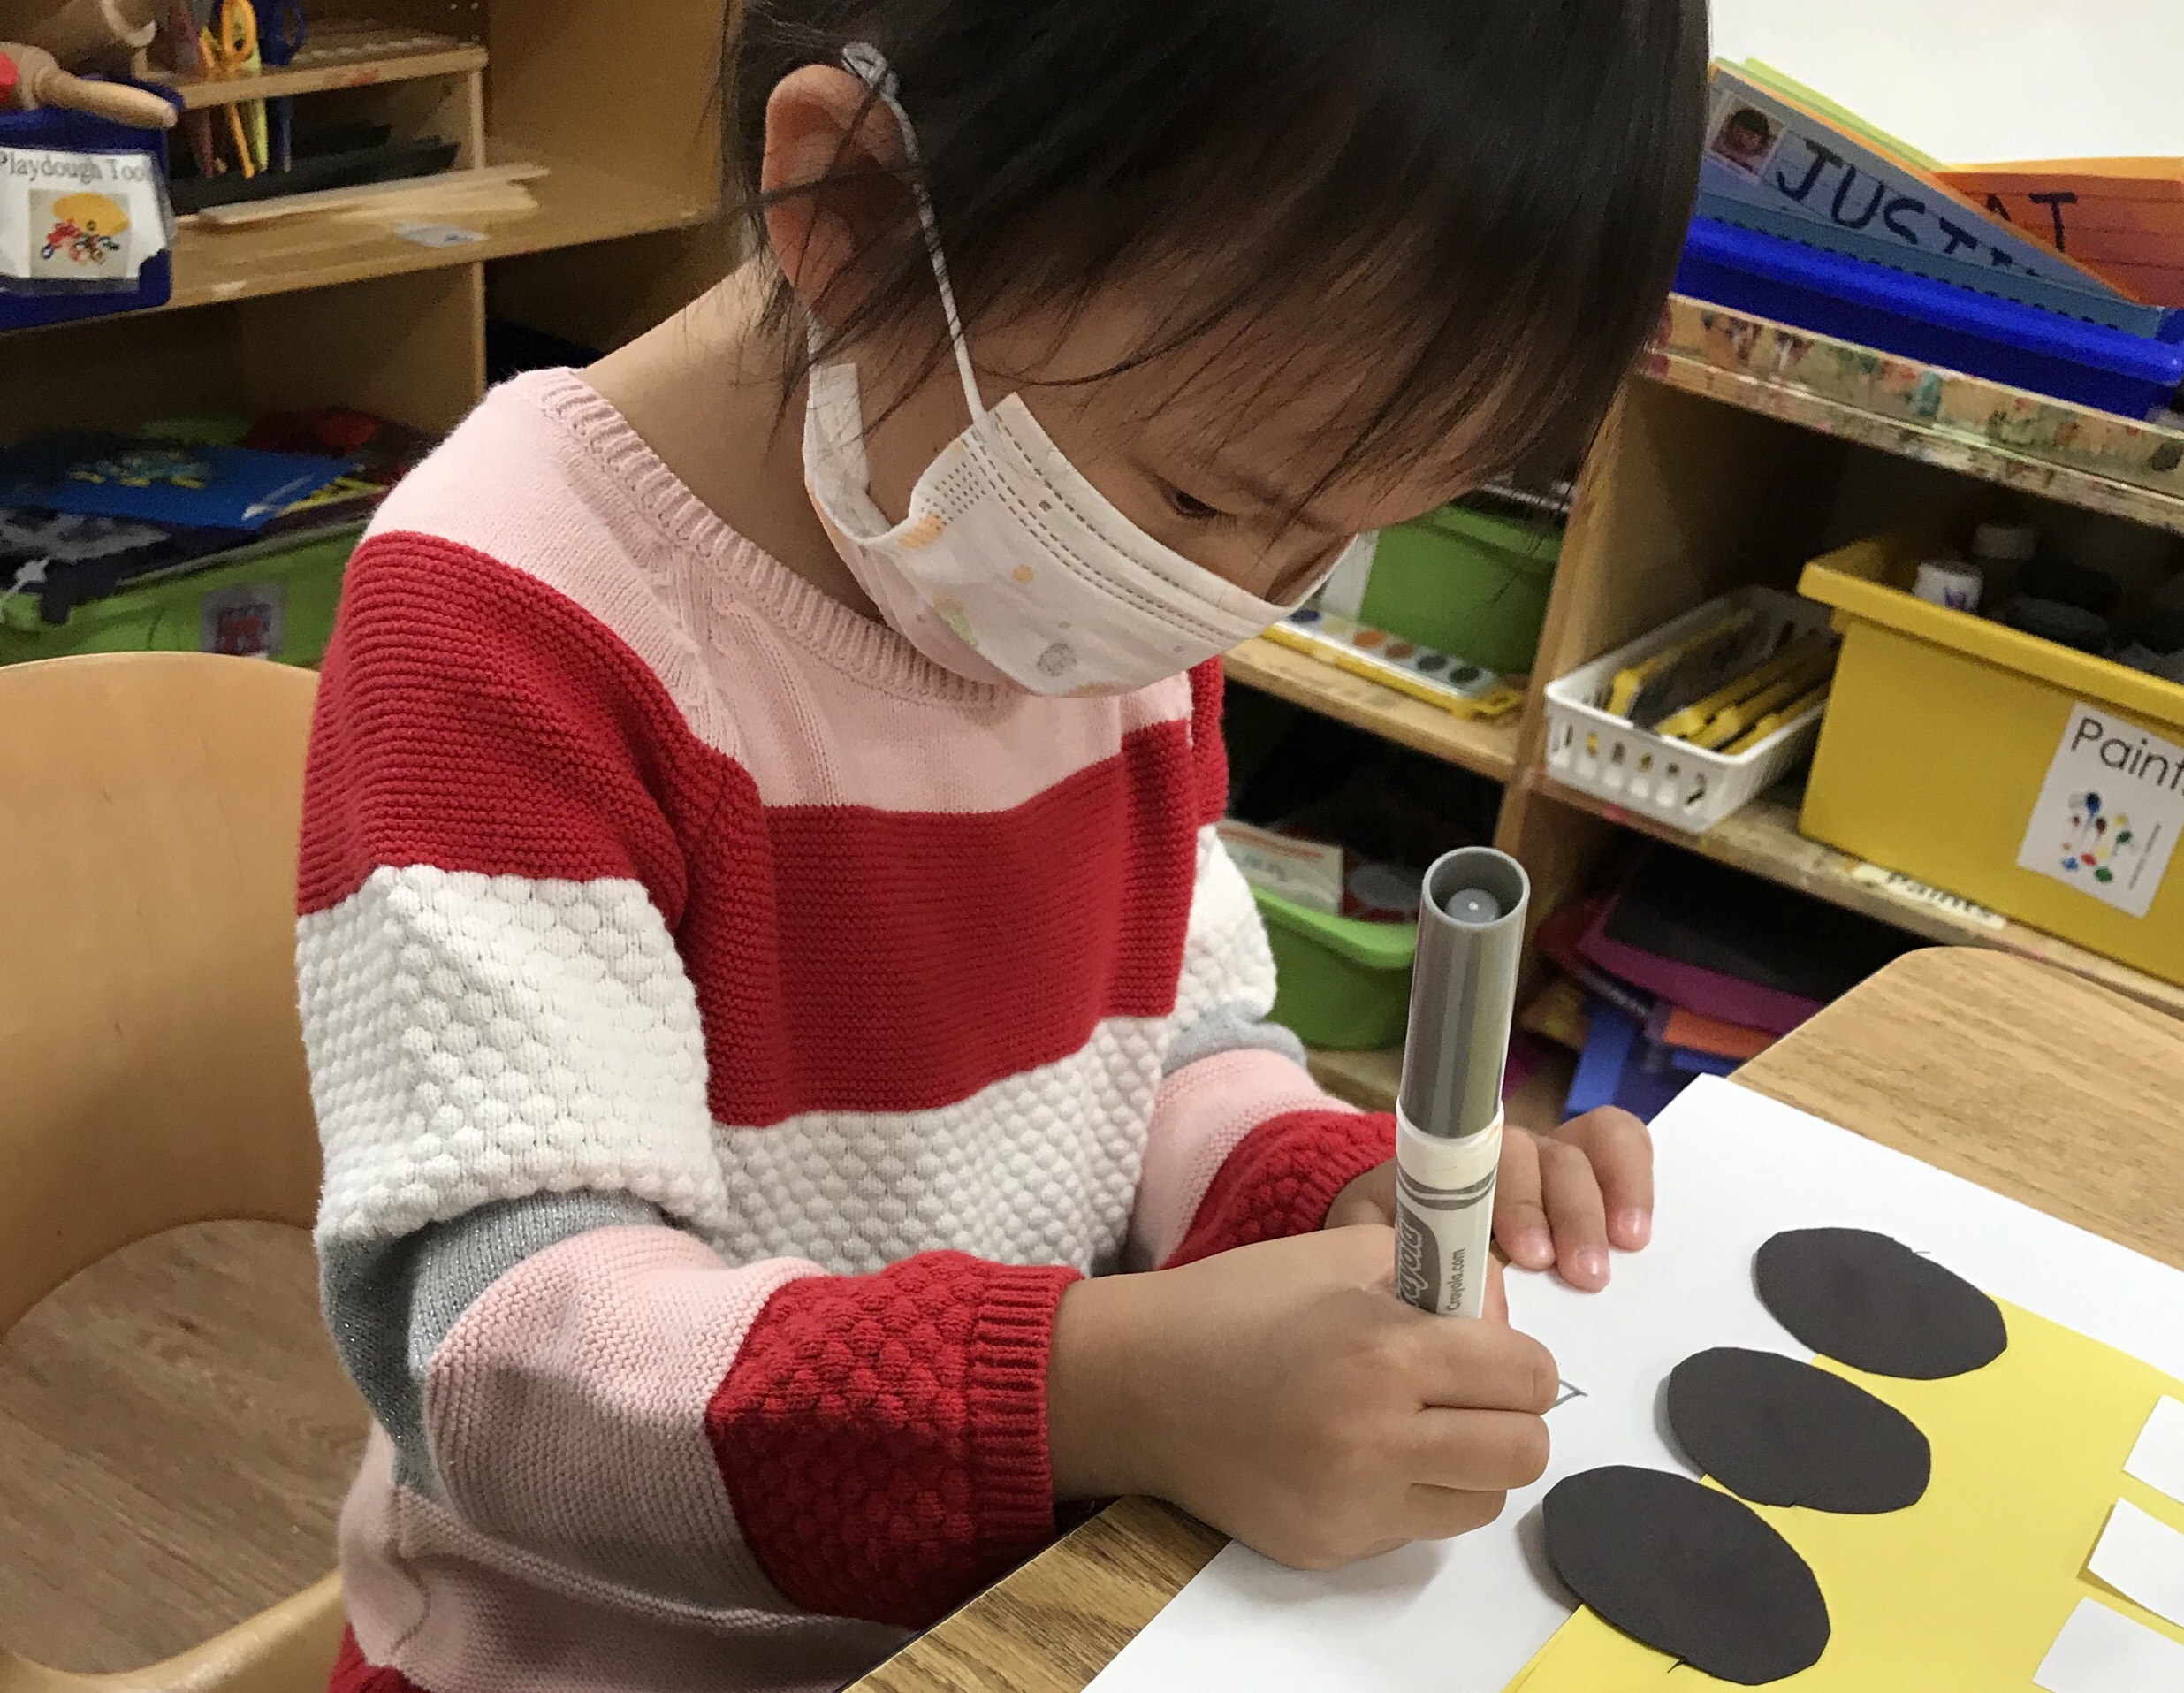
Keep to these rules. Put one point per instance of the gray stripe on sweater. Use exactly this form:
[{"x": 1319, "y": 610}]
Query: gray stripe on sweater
[
  {"x": 390, "y": 1303},
  {"x": 1230, "y": 1028}
]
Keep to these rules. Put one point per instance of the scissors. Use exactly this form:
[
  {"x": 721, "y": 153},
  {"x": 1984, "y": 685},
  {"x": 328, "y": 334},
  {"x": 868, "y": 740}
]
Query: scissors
[
  {"x": 230, "y": 48},
  {"x": 281, "y": 30}
]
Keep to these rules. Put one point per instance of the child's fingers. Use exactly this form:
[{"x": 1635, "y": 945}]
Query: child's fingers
[
  {"x": 1520, "y": 1218},
  {"x": 1621, "y": 1154},
  {"x": 1576, "y": 1213},
  {"x": 1498, "y": 1293}
]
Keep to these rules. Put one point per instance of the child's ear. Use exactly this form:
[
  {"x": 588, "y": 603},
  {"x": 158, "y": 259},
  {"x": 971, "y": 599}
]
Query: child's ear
[{"x": 835, "y": 157}]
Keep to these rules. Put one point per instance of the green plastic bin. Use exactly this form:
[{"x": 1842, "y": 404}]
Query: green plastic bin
[
  {"x": 1472, "y": 584},
  {"x": 1338, "y": 982},
  {"x": 277, "y": 602}
]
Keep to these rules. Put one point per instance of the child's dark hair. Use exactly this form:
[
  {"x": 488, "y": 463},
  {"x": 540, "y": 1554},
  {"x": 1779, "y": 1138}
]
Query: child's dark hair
[{"x": 1480, "y": 202}]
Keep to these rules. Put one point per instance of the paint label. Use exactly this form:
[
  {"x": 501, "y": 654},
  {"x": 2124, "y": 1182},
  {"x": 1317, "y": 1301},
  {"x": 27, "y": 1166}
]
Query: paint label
[
  {"x": 2107, "y": 818},
  {"x": 1895, "y": 884}
]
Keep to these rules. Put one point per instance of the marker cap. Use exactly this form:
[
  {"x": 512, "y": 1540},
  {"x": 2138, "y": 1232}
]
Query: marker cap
[{"x": 1470, "y": 932}]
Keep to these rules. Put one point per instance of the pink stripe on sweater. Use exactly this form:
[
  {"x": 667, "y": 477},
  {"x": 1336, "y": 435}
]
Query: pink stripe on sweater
[
  {"x": 583, "y": 505},
  {"x": 455, "y": 1611},
  {"x": 567, "y": 1409},
  {"x": 1202, "y": 1114}
]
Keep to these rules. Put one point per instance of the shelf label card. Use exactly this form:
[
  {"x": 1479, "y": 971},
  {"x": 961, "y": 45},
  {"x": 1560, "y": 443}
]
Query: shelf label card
[
  {"x": 82, "y": 218},
  {"x": 2107, "y": 818}
]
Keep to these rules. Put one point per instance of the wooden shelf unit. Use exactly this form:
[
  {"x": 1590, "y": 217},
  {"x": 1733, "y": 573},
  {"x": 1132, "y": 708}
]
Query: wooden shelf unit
[
  {"x": 1739, "y": 450},
  {"x": 337, "y": 55},
  {"x": 576, "y": 204},
  {"x": 1762, "y": 837},
  {"x": 332, "y": 307},
  {"x": 1486, "y": 745}
]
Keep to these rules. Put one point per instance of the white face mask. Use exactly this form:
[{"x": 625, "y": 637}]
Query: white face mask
[{"x": 1011, "y": 567}]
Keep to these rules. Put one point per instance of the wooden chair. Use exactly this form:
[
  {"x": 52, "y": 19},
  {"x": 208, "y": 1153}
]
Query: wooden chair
[{"x": 151, "y": 1068}]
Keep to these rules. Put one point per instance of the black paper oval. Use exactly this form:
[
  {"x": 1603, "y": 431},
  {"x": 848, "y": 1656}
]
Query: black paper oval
[
  {"x": 1688, "y": 1571},
  {"x": 1777, "y": 1431},
  {"x": 1873, "y": 1303}
]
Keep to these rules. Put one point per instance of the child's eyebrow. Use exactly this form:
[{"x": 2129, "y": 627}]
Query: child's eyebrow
[{"x": 1240, "y": 479}]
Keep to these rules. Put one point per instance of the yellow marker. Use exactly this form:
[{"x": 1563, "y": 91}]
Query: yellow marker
[
  {"x": 1774, "y": 720},
  {"x": 1698, "y": 716},
  {"x": 1728, "y": 725},
  {"x": 1624, "y": 694}
]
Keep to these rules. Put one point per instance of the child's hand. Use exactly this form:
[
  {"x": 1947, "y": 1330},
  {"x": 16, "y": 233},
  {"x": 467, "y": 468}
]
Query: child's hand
[
  {"x": 1560, "y": 1199},
  {"x": 1283, "y": 1394}
]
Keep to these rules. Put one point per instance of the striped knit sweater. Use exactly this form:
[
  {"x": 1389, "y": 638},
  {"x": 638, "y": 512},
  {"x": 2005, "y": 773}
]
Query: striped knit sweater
[{"x": 730, "y": 1034}]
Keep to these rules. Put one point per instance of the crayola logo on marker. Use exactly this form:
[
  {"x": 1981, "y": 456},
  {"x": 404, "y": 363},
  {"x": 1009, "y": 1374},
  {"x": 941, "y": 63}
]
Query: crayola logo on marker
[
  {"x": 2108, "y": 813},
  {"x": 1417, "y": 1278}
]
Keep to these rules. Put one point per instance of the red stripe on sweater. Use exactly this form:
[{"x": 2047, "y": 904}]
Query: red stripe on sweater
[
  {"x": 883, "y": 1438},
  {"x": 471, "y": 718},
  {"x": 845, "y": 959},
  {"x": 1207, "y": 682},
  {"x": 1283, "y": 1176},
  {"x": 352, "y": 1674}
]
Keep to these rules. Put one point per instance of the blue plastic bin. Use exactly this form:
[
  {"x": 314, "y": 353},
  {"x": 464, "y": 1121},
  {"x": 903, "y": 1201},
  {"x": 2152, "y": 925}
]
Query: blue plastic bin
[
  {"x": 1854, "y": 299},
  {"x": 80, "y": 133}
]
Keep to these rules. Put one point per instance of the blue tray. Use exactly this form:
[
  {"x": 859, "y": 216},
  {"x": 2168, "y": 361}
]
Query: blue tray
[
  {"x": 81, "y": 132},
  {"x": 1935, "y": 323}
]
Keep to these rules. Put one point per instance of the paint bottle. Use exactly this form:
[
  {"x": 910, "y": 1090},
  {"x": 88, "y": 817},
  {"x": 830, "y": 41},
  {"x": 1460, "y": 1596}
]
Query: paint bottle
[
  {"x": 2002, "y": 552},
  {"x": 1950, "y": 582}
]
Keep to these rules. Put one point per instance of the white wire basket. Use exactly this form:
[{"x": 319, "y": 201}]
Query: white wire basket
[{"x": 1673, "y": 782}]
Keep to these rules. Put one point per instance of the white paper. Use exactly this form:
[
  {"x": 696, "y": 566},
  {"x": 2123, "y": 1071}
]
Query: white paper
[
  {"x": 2108, "y": 815},
  {"x": 1464, "y": 1616},
  {"x": 2143, "y": 1559},
  {"x": 2101, "y": 1651},
  {"x": 2158, "y": 1459}
]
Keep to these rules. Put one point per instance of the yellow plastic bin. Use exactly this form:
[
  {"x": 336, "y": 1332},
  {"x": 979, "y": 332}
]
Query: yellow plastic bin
[{"x": 2032, "y": 779}]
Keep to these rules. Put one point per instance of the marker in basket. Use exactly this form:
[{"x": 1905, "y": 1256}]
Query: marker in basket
[{"x": 1470, "y": 927}]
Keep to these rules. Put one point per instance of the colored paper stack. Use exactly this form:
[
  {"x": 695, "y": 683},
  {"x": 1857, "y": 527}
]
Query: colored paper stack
[
  {"x": 1690, "y": 968},
  {"x": 1808, "y": 215}
]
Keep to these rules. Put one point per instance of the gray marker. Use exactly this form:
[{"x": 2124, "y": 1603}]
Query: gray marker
[{"x": 1471, "y": 930}]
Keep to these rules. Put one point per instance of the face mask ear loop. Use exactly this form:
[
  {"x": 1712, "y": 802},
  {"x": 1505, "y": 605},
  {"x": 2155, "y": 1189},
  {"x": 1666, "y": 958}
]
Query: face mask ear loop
[{"x": 865, "y": 62}]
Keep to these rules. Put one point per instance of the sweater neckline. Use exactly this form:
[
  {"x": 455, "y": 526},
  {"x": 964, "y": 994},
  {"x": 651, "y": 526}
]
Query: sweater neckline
[{"x": 850, "y": 641}]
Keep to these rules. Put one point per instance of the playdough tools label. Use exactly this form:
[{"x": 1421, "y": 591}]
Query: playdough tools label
[
  {"x": 78, "y": 217},
  {"x": 2107, "y": 817},
  {"x": 1471, "y": 927}
]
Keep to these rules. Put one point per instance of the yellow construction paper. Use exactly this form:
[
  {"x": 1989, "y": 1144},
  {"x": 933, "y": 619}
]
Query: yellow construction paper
[{"x": 1965, "y": 1591}]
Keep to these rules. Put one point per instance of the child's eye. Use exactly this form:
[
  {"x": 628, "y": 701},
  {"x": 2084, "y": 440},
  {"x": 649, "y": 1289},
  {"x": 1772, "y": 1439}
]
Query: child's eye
[{"x": 1192, "y": 508}]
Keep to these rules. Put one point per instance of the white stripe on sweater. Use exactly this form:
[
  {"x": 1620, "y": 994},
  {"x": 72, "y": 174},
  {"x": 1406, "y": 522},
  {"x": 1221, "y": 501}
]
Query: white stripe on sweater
[{"x": 477, "y": 1038}]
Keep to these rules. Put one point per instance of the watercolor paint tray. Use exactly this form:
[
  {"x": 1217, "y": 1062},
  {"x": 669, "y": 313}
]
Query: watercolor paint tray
[{"x": 1422, "y": 672}]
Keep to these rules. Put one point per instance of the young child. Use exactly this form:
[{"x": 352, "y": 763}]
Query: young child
[{"x": 764, "y": 956}]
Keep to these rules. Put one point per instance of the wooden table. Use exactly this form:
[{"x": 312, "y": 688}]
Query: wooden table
[{"x": 2031, "y": 1082}]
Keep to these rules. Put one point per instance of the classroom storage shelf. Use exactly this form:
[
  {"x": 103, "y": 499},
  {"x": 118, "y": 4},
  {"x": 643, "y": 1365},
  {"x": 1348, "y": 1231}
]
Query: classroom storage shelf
[
  {"x": 578, "y": 204},
  {"x": 1980, "y": 429},
  {"x": 339, "y": 54},
  {"x": 1763, "y": 838},
  {"x": 1485, "y": 746},
  {"x": 331, "y": 307}
]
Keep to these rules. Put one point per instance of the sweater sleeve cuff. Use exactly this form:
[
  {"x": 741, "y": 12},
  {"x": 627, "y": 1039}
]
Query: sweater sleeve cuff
[
  {"x": 883, "y": 1438},
  {"x": 1284, "y": 1177}
]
